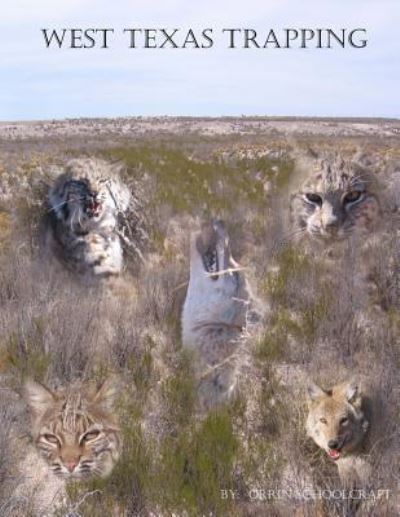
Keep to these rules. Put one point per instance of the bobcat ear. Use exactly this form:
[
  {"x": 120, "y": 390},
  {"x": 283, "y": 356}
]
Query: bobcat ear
[
  {"x": 106, "y": 394},
  {"x": 312, "y": 153},
  {"x": 117, "y": 166},
  {"x": 314, "y": 391},
  {"x": 38, "y": 397},
  {"x": 353, "y": 393}
]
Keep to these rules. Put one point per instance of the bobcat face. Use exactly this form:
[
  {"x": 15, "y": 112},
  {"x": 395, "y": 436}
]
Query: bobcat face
[
  {"x": 90, "y": 199},
  {"x": 88, "y": 194},
  {"x": 336, "y": 421},
  {"x": 86, "y": 202},
  {"x": 74, "y": 431},
  {"x": 81, "y": 202},
  {"x": 336, "y": 202}
]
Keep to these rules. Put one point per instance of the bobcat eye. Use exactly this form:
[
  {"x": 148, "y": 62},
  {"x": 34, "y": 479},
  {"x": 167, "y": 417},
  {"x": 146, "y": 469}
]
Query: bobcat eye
[
  {"x": 51, "y": 438},
  {"x": 91, "y": 435},
  {"x": 343, "y": 421},
  {"x": 352, "y": 196},
  {"x": 323, "y": 420},
  {"x": 315, "y": 199}
]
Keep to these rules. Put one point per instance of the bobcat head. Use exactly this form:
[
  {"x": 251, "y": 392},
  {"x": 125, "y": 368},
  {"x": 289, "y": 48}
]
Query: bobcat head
[
  {"x": 337, "y": 199},
  {"x": 74, "y": 429},
  {"x": 88, "y": 193}
]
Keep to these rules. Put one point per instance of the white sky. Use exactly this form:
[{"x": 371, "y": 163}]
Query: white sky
[{"x": 38, "y": 83}]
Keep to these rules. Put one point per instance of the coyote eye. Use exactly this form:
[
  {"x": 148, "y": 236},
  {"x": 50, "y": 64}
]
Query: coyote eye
[
  {"x": 352, "y": 196},
  {"x": 315, "y": 199},
  {"x": 343, "y": 421},
  {"x": 323, "y": 420},
  {"x": 51, "y": 438}
]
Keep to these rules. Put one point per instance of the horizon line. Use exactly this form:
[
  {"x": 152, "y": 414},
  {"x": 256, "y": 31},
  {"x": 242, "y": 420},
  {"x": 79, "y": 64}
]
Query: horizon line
[{"x": 340, "y": 118}]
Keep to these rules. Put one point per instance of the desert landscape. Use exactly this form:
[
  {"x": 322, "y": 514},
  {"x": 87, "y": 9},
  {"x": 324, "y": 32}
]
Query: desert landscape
[{"x": 322, "y": 321}]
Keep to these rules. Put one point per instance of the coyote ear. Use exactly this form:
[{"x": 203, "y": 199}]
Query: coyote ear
[
  {"x": 353, "y": 392},
  {"x": 38, "y": 397},
  {"x": 314, "y": 391}
]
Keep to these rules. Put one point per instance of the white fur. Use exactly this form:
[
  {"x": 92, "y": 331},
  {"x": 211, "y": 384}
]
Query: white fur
[{"x": 91, "y": 242}]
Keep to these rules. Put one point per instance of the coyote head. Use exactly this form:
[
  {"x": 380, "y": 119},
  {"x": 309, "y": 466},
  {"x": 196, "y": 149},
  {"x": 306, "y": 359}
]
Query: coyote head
[{"x": 336, "y": 421}]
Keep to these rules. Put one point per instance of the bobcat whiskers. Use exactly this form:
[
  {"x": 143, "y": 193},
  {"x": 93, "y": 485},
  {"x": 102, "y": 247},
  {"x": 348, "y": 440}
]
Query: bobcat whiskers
[
  {"x": 75, "y": 429},
  {"x": 338, "y": 199},
  {"x": 86, "y": 203}
]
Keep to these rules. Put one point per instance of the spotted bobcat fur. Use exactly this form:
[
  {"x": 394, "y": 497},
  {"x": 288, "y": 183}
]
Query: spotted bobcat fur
[
  {"x": 75, "y": 429},
  {"x": 86, "y": 201},
  {"x": 338, "y": 198}
]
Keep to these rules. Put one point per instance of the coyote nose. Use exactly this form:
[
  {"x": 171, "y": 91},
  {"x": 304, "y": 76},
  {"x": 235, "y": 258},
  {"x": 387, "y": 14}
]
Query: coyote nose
[{"x": 333, "y": 444}]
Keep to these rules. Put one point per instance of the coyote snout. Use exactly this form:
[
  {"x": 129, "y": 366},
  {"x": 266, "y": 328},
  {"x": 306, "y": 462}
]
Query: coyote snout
[
  {"x": 336, "y": 420},
  {"x": 218, "y": 308}
]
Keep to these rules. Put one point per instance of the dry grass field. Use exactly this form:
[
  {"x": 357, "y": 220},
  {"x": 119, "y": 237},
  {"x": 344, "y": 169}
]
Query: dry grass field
[{"x": 251, "y": 457}]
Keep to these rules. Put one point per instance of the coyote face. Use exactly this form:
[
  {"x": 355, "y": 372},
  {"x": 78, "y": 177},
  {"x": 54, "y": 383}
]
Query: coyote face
[
  {"x": 217, "y": 293},
  {"x": 217, "y": 310},
  {"x": 336, "y": 420}
]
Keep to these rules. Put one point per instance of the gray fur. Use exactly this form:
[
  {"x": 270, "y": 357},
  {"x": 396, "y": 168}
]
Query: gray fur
[{"x": 85, "y": 203}]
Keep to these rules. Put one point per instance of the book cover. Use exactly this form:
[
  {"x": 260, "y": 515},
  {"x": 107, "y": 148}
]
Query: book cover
[{"x": 199, "y": 258}]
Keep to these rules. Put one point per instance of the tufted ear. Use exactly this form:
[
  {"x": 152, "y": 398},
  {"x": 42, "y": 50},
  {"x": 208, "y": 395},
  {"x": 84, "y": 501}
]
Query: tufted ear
[
  {"x": 106, "y": 394},
  {"x": 353, "y": 395},
  {"x": 314, "y": 392},
  {"x": 312, "y": 153},
  {"x": 38, "y": 398}
]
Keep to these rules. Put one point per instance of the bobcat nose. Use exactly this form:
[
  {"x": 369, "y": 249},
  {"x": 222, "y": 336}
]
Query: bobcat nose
[
  {"x": 331, "y": 224},
  {"x": 333, "y": 444},
  {"x": 71, "y": 464}
]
